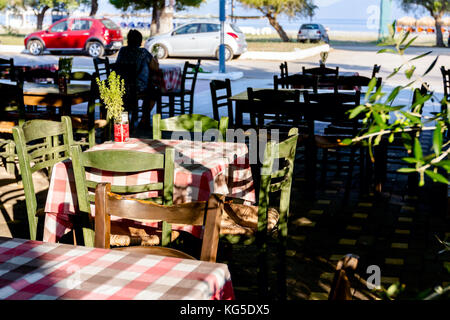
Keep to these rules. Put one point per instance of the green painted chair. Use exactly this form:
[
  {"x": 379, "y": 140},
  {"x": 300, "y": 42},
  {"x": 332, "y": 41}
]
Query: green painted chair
[
  {"x": 120, "y": 161},
  {"x": 40, "y": 144},
  {"x": 254, "y": 224},
  {"x": 189, "y": 123}
]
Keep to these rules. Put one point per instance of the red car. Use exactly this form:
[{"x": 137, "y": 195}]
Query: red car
[{"x": 94, "y": 36}]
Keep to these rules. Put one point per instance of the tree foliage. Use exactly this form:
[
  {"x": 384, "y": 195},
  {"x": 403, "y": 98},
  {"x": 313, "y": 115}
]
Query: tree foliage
[
  {"x": 436, "y": 8},
  {"x": 272, "y": 8},
  {"x": 380, "y": 109}
]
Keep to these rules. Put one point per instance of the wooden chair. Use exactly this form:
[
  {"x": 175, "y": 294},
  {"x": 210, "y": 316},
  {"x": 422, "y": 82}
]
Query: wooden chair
[
  {"x": 321, "y": 71},
  {"x": 375, "y": 70},
  {"x": 219, "y": 101},
  {"x": 341, "y": 285},
  {"x": 102, "y": 67},
  {"x": 446, "y": 81},
  {"x": 12, "y": 112},
  {"x": 296, "y": 81},
  {"x": 7, "y": 70},
  {"x": 121, "y": 162},
  {"x": 253, "y": 224},
  {"x": 273, "y": 105},
  {"x": 355, "y": 83},
  {"x": 40, "y": 75},
  {"x": 86, "y": 124},
  {"x": 332, "y": 107},
  {"x": 284, "y": 69},
  {"x": 200, "y": 213},
  {"x": 181, "y": 101},
  {"x": 40, "y": 144},
  {"x": 189, "y": 123}
]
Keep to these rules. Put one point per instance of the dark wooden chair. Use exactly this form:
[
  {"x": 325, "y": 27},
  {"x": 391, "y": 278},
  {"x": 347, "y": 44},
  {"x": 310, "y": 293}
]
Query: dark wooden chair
[
  {"x": 188, "y": 123},
  {"x": 321, "y": 71},
  {"x": 272, "y": 105},
  {"x": 284, "y": 69},
  {"x": 375, "y": 70},
  {"x": 200, "y": 213},
  {"x": 40, "y": 144},
  {"x": 86, "y": 124},
  {"x": 122, "y": 162},
  {"x": 181, "y": 101},
  {"x": 332, "y": 107},
  {"x": 7, "y": 70},
  {"x": 40, "y": 75},
  {"x": 102, "y": 67},
  {"x": 446, "y": 82},
  {"x": 220, "y": 92},
  {"x": 247, "y": 224},
  {"x": 296, "y": 81}
]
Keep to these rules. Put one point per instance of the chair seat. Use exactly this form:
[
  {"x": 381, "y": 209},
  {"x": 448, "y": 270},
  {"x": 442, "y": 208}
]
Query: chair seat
[
  {"x": 123, "y": 235},
  {"x": 6, "y": 126},
  {"x": 81, "y": 122},
  {"x": 240, "y": 219}
]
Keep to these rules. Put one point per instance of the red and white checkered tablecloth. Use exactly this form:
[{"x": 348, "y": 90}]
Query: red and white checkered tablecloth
[
  {"x": 34, "y": 270},
  {"x": 201, "y": 168}
]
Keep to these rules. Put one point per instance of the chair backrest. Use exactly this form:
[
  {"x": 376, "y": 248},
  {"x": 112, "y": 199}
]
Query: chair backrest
[
  {"x": 80, "y": 76},
  {"x": 40, "y": 144},
  {"x": 220, "y": 92},
  {"x": 268, "y": 104},
  {"x": 331, "y": 106},
  {"x": 299, "y": 81},
  {"x": 375, "y": 70},
  {"x": 189, "y": 76},
  {"x": 284, "y": 69},
  {"x": 321, "y": 71},
  {"x": 355, "y": 82},
  {"x": 189, "y": 123},
  {"x": 122, "y": 162},
  {"x": 39, "y": 75},
  {"x": 7, "y": 70},
  {"x": 280, "y": 156},
  {"x": 200, "y": 213},
  {"x": 446, "y": 81},
  {"x": 102, "y": 67},
  {"x": 417, "y": 96},
  {"x": 12, "y": 100}
]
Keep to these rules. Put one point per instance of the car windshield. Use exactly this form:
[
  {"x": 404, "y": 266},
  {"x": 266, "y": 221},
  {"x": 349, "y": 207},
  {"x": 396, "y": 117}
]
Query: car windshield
[
  {"x": 310, "y": 26},
  {"x": 109, "y": 24},
  {"x": 235, "y": 28}
]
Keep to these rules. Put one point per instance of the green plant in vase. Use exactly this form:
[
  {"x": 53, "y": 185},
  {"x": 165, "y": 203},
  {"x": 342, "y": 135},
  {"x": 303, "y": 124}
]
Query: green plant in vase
[
  {"x": 323, "y": 58},
  {"x": 111, "y": 92}
]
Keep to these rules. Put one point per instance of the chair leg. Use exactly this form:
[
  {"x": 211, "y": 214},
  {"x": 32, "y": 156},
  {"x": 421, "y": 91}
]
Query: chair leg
[
  {"x": 349, "y": 176},
  {"x": 324, "y": 166},
  {"x": 281, "y": 269},
  {"x": 262, "y": 275}
]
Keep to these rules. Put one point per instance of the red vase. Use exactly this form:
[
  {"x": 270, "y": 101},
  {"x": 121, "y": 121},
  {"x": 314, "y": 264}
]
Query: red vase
[{"x": 121, "y": 132}]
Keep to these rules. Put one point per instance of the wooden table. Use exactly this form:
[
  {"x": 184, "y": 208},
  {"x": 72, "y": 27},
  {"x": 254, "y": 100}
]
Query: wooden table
[
  {"x": 34, "y": 270},
  {"x": 44, "y": 94}
]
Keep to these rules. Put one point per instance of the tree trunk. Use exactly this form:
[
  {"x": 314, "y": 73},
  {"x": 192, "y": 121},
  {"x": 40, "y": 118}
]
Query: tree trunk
[
  {"x": 40, "y": 17},
  {"x": 438, "y": 27},
  {"x": 156, "y": 13},
  {"x": 279, "y": 29},
  {"x": 94, "y": 8}
]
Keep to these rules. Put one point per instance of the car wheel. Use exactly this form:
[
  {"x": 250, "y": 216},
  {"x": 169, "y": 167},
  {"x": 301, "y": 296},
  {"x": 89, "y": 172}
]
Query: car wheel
[
  {"x": 161, "y": 51},
  {"x": 228, "y": 53},
  {"x": 35, "y": 47},
  {"x": 95, "y": 49}
]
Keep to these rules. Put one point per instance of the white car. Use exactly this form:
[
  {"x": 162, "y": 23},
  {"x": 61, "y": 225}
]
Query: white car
[{"x": 198, "y": 39}]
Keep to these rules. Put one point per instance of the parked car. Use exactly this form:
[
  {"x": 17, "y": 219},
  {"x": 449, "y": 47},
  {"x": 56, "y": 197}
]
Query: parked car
[
  {"x": 198, "y": 39},
  {"x": 312, "y": 32},
  {"x": 94, "y": 36}
]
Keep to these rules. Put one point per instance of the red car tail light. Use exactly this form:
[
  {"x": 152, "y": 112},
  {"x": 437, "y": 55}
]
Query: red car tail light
[
  {"x": 300, "y": 32},
  {"x": 234, "y": 35},
  {"x": 318, "y": 32}
]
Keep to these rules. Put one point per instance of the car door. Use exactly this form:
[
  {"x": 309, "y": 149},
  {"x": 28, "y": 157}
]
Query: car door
[
  {"x": 56, "y": 37},
  {"x": 208, "y": 39},
  {"x": 183, "y": 40},
  {"x": 79, "y": 32}
]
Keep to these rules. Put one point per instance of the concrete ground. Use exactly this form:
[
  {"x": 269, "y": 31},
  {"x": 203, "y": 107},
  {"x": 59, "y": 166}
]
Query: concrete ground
[{"x": 395, "y": 230}]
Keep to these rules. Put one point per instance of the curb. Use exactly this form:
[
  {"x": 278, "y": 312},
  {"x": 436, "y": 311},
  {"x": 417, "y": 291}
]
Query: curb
[
  {"x": 10, "y": 48},
  {"x": 220, "y": 76},
  {"x": 285, "y": 56}
]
